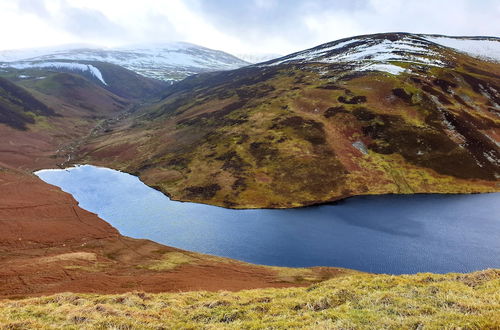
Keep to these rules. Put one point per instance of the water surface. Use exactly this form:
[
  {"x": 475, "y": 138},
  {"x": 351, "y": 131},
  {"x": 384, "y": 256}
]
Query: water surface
[{"x": 382, "y": 234}]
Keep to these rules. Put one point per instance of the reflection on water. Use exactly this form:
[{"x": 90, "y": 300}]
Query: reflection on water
[{"x": 383, "y": 234}]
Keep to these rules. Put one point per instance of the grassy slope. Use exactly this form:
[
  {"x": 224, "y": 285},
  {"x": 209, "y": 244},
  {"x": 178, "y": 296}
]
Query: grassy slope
[
  {"x": 286, "y": 136},
  {"x": 430, "y": 301},
  {"x": 18, "y": 107}
]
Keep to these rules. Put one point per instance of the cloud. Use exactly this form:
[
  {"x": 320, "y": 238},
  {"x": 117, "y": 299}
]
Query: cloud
[
  {"x": 300, "y": 24},
  {"x": 35, "y": 7},
  {"x": 246, "y": 26},
  {"x": 86, "y": 23}
]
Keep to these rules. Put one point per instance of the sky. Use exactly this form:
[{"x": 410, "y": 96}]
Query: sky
[{"x": 235, "y": 26}]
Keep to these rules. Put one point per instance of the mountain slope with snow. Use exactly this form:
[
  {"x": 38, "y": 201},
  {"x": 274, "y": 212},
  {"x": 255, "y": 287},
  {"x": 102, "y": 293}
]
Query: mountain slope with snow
[
  {"x": 379, "y": 114},
  {"x": 170, "y": 62},
  {"x": 393, "y": 53},
  {"x": 70, "y": 66},
  {"x": 487, "y": 48}
]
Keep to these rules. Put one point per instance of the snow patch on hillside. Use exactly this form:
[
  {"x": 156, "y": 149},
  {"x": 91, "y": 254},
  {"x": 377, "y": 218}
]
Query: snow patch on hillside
[
  {"x": 482, "y": 48},
  {"x": 72, "y": 66},
  {"x": 369, "y": 54},
  {"x": 387, "y": 67},
  {"x": 314, "y": 55}
]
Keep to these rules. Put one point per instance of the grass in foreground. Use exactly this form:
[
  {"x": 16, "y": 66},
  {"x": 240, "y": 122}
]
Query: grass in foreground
[{"x": 470, "y": 301}]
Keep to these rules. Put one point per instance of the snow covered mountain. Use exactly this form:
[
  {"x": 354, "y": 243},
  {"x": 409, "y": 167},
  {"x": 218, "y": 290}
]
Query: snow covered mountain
[
  {"x": 57, "y": 65},
  {"x": 393, "y": 53},
  {"x": 169, "y": 61}
]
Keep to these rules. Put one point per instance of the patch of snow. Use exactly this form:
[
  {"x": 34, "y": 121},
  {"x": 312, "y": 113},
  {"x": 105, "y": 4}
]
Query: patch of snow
[
  {"x": 73, "y": 66},
  {"x": 312, "y": 55},
  {"x": 23, "y": 76},
  {"x": 361, "y": 147},
  {"x": 368, "y": 54},
  {"x": 28, "y": 53},
  {"x": 384, "y": 67},
  {"x": 490, "y": 155},
  {"x": 485, "y": 48},
  {"x": 492, "y": 139},
  {"x": 96, "y": 73}
]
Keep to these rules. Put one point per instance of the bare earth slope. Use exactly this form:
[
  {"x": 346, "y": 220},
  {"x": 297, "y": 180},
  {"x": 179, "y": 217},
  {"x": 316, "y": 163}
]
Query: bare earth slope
[{"x": 377, "y": 114}]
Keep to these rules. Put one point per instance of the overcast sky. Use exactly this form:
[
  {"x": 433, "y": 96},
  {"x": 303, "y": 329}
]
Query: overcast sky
[{"x": 236, "y": 26}]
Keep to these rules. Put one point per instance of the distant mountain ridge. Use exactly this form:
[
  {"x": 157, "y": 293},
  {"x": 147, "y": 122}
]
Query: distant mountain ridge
[{"x": 169, "y": 61}]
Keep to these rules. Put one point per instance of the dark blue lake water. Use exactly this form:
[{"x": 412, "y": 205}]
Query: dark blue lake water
[{"x": 382, "y": 234}]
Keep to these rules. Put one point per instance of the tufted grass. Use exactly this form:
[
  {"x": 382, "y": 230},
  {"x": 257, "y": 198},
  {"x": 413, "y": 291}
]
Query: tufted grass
[{"x": 360, "y": 301}]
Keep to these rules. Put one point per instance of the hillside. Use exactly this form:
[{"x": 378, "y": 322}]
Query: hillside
[
  {"x": 169, "y": 61},
  {"x": 18, "y": 107},
  {"x": 49, "y": 107},
  {"x": 452, "y": 301},
  {"x": 50, "y": 245},
  {"x": 375, "y": 114},
  {"x": 114, "y": 78}
]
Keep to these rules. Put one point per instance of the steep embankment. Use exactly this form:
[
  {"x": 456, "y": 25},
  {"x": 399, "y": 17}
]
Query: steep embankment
[{"x": 376, "y": 114}]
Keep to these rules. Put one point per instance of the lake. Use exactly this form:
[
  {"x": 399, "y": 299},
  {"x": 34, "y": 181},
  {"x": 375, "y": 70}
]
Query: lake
[{"x": 395, "y": 234}]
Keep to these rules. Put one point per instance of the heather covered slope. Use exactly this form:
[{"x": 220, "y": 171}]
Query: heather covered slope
[{"x": 377, "y": 114}]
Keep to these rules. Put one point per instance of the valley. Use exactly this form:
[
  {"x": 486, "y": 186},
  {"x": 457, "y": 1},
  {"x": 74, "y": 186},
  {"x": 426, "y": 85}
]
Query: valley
[
  {"x": 390, "y": 234},
  {"x": 300, "y": 130},
  {"x": 303, "y": 179},
  {"x": 51, "y": 116}
]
